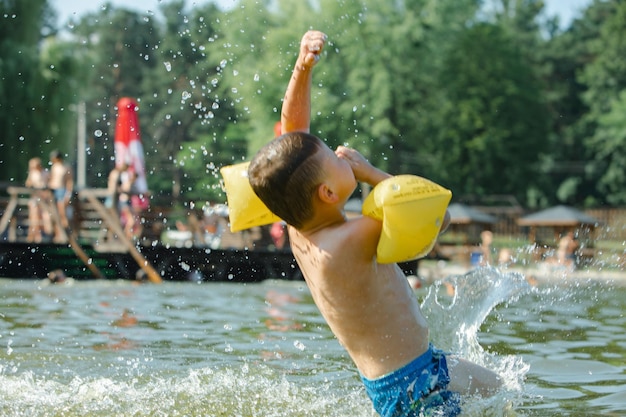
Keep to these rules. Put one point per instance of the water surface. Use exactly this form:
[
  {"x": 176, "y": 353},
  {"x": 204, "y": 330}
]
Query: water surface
[{"x": 104, "y": 348}]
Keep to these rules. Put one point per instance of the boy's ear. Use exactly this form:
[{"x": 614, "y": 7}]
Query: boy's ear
[{"x": 326, "y": 194}]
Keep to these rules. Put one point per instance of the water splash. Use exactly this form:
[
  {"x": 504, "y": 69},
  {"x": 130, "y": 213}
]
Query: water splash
[
  {"x": 456, "y": 308},
  {"x": 257, "y": 391},
  {"x": 461, "y": 303}
]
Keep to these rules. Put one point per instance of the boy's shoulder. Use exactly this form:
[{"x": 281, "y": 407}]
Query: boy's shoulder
[{"x": 354, "y": 235}]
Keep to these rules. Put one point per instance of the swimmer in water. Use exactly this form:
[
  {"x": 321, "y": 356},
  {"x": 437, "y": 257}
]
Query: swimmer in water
[{"x": 369, "y": 306}]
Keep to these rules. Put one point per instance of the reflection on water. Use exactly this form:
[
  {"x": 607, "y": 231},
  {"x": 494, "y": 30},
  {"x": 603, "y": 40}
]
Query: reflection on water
[
  {"x": 573, "y": 337},
  {"x": 116, "y": 348}
]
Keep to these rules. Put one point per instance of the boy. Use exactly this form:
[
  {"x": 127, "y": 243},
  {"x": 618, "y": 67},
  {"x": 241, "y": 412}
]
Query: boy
[
  {"x": 370, "y": 307},
  {"x": 61, "y": 183}
]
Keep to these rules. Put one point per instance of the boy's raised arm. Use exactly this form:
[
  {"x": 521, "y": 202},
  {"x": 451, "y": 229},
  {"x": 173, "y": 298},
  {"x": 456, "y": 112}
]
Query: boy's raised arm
[{"x": 296, "y": 110}]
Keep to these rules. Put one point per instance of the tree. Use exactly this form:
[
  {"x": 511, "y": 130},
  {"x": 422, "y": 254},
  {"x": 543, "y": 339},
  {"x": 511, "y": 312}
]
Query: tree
[
  {"x": 253, "y": 60},
  {"x": 482, "y": 103},
  {"x": 494, "y": 124},
  {"x": 186, "y": 104},
  {"x": 605, "y": 77},
  {"x": 563, "y": 167},
  {"x": 35, "y": 96},
  {"x": 380, "y": 94},
  {"x": 118, "y": 48}
]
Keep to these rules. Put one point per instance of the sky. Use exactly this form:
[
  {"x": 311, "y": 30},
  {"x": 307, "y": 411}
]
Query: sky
[
  {"x": 565, "y": 9},
  {"x": 73, "y": 8}
]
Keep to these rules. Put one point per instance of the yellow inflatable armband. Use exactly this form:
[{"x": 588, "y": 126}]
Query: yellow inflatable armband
[
  {"x": 245, "y": 209},
  {"x": 412, "y": 210}
]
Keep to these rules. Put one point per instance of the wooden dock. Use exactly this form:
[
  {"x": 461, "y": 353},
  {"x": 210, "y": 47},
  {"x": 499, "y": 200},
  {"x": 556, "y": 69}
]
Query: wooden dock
[{"x": 98, "y": 248}]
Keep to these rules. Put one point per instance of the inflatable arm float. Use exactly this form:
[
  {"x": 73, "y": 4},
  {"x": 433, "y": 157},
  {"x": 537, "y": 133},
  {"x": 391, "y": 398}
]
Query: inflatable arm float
[
  {"x": 245, "y": 209},
  {"x": 411, "y": 208}
]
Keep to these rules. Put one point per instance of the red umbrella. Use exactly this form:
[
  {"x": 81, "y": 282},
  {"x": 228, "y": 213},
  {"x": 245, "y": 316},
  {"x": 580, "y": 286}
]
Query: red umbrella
[{"x": 128, "y": 147}]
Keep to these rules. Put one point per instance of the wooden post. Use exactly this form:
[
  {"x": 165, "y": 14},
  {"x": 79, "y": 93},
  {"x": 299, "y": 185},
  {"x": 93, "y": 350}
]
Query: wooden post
[
  {"x": 71, "y": 238},
  {"x": 8, "y": 212},
  {"x": 114, "y": 224}
]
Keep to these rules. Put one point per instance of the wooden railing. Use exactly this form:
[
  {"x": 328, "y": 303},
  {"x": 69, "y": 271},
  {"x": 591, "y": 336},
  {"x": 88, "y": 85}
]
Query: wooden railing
[
  {"x": 93, "y": 222},
  {"x": 15, "y": 222},
  {"x": 109, "y": 219}
]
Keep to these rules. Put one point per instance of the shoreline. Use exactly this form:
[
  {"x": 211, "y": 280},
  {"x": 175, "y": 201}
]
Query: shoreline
[{"x": 430, "y": 271}]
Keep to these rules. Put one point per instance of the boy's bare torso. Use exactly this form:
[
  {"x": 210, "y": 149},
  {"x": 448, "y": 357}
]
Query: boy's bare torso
[
  {"x": 58, "y": 172},
  {"x": 370, "y": 307}
]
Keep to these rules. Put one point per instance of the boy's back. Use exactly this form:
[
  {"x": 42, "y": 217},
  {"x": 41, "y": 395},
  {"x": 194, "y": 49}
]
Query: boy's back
[{"x": 370, "y": 307}]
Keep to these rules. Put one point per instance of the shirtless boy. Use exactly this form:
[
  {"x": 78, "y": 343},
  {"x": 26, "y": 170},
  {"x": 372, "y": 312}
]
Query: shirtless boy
[
  {"x": 61, "y": 183},
  {"x": 369, "y": 306}
]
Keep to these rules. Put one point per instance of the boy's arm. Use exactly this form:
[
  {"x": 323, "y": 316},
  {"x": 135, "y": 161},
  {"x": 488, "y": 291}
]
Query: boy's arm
[
  {"x": 69, "y": 183},
  {"x": 361, "y": 167},
  {"x": 296, "y": 110}
]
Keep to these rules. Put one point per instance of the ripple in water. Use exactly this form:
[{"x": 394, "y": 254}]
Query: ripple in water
[{"x": 103, "y": 349}]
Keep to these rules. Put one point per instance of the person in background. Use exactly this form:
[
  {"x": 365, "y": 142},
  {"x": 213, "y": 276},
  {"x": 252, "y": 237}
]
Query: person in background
[
  {"x": 139, "y": 202},
  {"x": 38, "y": 217},
  {"x": 113, "y": 185},
  {"x": 126, "y": 181},
  {"x": 566, "y": 252},
  {"x": 486, "y": 238},
  {"x": 61, "y": 183},
  {"x": 279, "y": 234}
]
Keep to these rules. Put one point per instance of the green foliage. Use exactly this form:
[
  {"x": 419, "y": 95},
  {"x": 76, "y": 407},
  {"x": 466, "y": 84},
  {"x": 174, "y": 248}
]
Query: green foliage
[
  {"x": 563, "y": 166},
  {"x": 605, "y": 78},
  {"x": 494, "y": 123},
  {"x": 253, "y": 58},
  {"x": 35, "y": 97},
  {"x": 186, "y": 101},
  {"x": 610, "y": 142},
  {"x": 117, "y": 49},
  {"x": 485, "y": 100}
]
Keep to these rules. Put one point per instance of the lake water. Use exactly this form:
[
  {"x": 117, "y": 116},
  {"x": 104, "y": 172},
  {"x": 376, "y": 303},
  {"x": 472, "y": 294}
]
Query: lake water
[{"x": 116, "y": 348}]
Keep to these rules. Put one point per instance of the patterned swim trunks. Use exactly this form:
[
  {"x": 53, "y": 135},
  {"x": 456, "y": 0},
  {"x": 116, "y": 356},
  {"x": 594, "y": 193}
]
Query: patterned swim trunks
[{"x": 415, "y": 390}]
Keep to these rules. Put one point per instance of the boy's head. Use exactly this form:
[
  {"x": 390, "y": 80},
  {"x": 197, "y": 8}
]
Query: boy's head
[
  {"x": 286, "y": 173},
  {"x": 34, "y": 163},
  {"x": 55, "y": 155}
]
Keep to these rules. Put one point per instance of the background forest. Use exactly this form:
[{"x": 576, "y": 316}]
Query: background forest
[{"x": 487, "y": 101}]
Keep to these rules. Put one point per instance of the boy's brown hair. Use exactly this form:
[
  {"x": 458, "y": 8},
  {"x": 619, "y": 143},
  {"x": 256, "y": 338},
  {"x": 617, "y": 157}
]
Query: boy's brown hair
[{"x": 285, "y": 175}]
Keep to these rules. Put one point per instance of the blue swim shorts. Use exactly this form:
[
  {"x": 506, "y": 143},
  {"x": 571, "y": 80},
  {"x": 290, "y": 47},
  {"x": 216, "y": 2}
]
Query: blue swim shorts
[
  {"x": 417, "y": 389},
  {"x": 59, "y": 194}
]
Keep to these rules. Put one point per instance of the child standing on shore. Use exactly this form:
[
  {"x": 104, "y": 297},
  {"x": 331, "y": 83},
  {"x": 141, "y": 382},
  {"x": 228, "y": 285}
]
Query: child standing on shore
[{"x": 369, "y": 306}]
